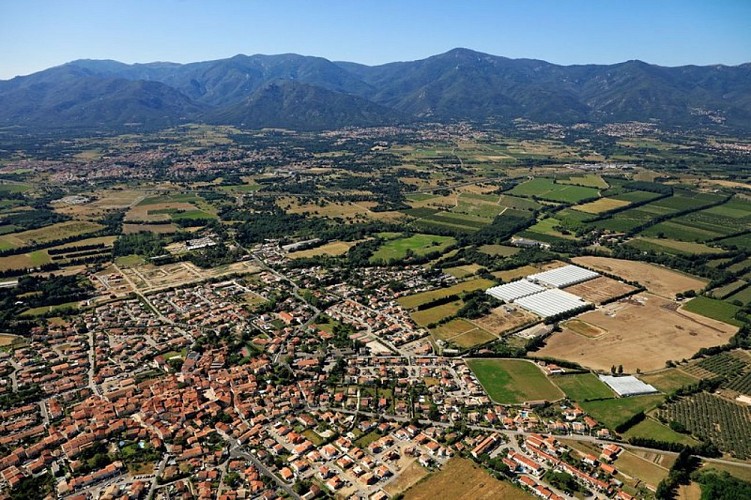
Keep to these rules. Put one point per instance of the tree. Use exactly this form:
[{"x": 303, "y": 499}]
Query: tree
[
  {"x": 620, "y": 369},
  {"x": 612, "y": 370}
]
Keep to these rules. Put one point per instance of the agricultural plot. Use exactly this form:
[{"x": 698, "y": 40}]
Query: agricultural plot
[
  {"x": 672, "y": 247},
  {"x": 635, "y": 196},
  {"x": 729, "y": 289},
  {"x": 642, "y": 332},
  {"x": 669, "y": 380},
  {"x": 715, "y": 309},
  {"x": 547, "y": 189},
  {"x": 149, "y": 228},
  {"x": 549, "y": 227},
  {"x": 415, "y": 300},
  {"x": 602, "y": 205},
  {"x": 462, "y": 479},
  {"x": 582, "y": 386},
  {"x": 334, "y": 248},
  {"x": 723, "y": 422},
  {"x": 741, "y": 242},
  {"x": 513, "y": 381},
  {"x": 462, "y": 333},
  {"x": 499, "y": 250},
  {"x": 505, "y": 318},
  {"x": 658, "y": 280},
  {"x": 613, "y": 412},
  {"x": 48, "y": 234},
  {"x": 518, "y": 203},
  {"x": 652, "y": 429},
  {"x": 641, "y": 469},
  {"x": 418, "y": 244},
  {"x": 170, "y": 207},
  {"x": 743, "y": 296},
  {"x": 435, "y": 314},
  {"x": 460, "y": 272},
  {"x": 586, "y": 180},
  {"x": 514, "y": 274},
  {"x": 731, "y": 217},
  {"x": 600, "y": 289}
]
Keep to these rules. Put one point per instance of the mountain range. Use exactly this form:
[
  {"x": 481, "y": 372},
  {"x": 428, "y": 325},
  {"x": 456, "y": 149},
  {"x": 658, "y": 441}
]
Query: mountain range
[{"x": 313, "y": 93}]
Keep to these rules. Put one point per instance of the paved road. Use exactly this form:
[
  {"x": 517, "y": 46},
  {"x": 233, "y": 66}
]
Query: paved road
[{"x": 236, "y": 450}]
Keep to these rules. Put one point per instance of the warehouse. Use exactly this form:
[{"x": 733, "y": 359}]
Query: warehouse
[
  {"x": 551, "y": 302},
  {"x": 509, "y": 292},
  {"x": 563, "y": 276},
  {"x": 627, "y": 386}
]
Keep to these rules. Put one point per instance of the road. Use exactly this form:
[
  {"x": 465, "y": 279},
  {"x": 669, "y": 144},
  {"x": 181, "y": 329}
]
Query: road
[{"x": 236, "y": 450}]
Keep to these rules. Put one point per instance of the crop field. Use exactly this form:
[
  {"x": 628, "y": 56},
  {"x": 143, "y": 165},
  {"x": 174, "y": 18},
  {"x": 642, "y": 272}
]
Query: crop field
[
  {"x": 409, "y": 476},
  {"x": 669, "y": 380},
  {"x": 650, "y": 428},
  {"x": 744, "y": 296},
  {"x": 715, "y": 309},
  {"x": 658, "y": 280},
  {"x": 600, "y": 289},
  {"x": 499, "y": 250},
  {"x": 460, "y": 272},
  {"x": 742, "y": 242},
  {"x": 724, "y": 422},
  {"x": 418, "y": 244},
  {"x": 582, "y": 386},
  {"x": 514, "y": 274},
  {"x": 462, "y": 479},
  {"x": 25, "y": 260},
  {"x": 548, "y": 227},
  {"x": 547, "y": 189},
  {"x": 334, "y": 248},
  {"x": 613, "y": 412},
  {"x": 513, "y": 381},
  {"x": 518, "y": 203},
  {"x": 728, "y": 289},
  {"x": 412, "y": 301},
  {"x": 7, "y": 339},
  {"x": 586, "y": 180},
  {"x": 635, "y": 196},
  {"x": 673, "y": 247},
  {"x": 643, "y": 331},
  {"x": 505, "y": 318},
  {"x": 48, "y": 234},
  {"x": 602, "y": 205},
  {"x": 462, "y": 333},
  {"x": 640, "y": 468},
  {"x": 149, "y": 228},
  {"x": 436, "y": 314}
]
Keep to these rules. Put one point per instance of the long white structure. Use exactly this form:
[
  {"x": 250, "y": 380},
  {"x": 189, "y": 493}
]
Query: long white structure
[
  {"x": 510, "y": 292},
  {"x": 551, "y": 302},
  {"x": 563, "y": 276},
  {"x": 628, "y": 385}
]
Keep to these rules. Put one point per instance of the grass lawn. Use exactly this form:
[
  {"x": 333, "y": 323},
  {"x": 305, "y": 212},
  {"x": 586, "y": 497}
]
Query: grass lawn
[
  {"x": 513, "y": 381},
  {"x": 582, "y": 386},
  {"x": 418, "y": 244},
  {"x": 650, "y": 428},
  {"x": 715, "y": 309},
  {"x": 612, "y": 412}
]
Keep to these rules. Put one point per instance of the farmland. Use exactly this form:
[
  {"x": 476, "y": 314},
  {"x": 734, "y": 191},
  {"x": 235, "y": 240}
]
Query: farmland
[
  {"x": 669, "y": 380},
  {"x": 601, "y": 205},
  {"x": 435, "y": 314},
  {"x": 412, "y": 301},
  {"x": 548, "y": 189},
  {"x": 582, "y": 386},
  {"x": 48, "y": 234},
  {"x": 600, "y": 289},
  {"x": 652, "y": 429},
  {"x": 418, "y": 244},
  {"x": 505, "y": 318},
  {"x": 613, "y": 412},
  {"x": 461, "y": 478},
  {"x": 334, "y": 248},
  {"x": 643, "y": 332},
  {"x": 658, "y": 280},
  {"x": 713, "y": 308},
  {"x": 513, "y": 381},
  {"x": 461, "y": 333}
]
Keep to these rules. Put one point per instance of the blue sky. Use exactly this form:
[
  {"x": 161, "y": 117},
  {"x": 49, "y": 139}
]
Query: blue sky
[{"x": 36, "y": 34}]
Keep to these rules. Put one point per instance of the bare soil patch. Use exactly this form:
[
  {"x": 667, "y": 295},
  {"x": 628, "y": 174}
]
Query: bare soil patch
[
  {"x": 600, "y": 289},
  {"x": 505, "y": 318}
]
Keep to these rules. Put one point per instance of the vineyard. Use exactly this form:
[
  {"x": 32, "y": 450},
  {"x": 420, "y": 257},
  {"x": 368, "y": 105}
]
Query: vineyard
[
  {"x": 724, "y": 365},
  {"x": 706, "y": 416},
  {"x": 741, "y": 384}
]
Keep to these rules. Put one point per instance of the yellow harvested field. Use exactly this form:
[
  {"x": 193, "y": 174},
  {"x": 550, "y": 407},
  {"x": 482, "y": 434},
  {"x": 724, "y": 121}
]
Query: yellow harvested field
[
  {"x": 460, "y": 272},
  {"x": 7, "y": 339},
  {"x": 149, "y": 228},
  {"x": 515, "y": 274},
  {"x": 505, "y": 318},
  {"x": 334, "y": 248},
  {"x": 601, "y": 205},
  {"x": 658, "y": 280},
  {"x": 49, "y": 233},
  {"x": 641, "y": 332},
  {"x": 410, "y": 476},
  {"x": 461, "y": 479},
  {"x": 600, "y": 289},
  {"x": 156, "y": 212}
]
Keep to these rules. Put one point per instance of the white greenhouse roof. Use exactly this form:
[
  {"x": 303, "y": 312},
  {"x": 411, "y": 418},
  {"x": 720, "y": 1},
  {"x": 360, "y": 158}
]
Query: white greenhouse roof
[
  {"x": 551, "y": 302},
  {"x": 628, "y": 385},
  {"x": 563, "y": 276},
  {"x": 509, "y": 292}
]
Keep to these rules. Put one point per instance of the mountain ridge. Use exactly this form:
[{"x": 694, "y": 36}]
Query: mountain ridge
[{"x": 461, "y": 84}]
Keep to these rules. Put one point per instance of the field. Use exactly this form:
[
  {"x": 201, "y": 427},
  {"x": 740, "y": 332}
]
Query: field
[
  {"x": 7, "y": 339},
  {"x": 650, "y": 428},
  {"x": 505, "y": 318},
  {"x": 743, "y": 296},
  {"x": 587, "y": 180},
  {"x": 513, "y": 381},
  {"x": 515, "y": 274},
  {"x": 713, "y": 308},
  {"x": 460, "y": 272},
  {"x": 462, "y": 333},
  {"x": 547, "y": 189},
  {"x": 669, "y": 380},
  {"x": 602, "y": 205},
  {"x": 641, "y": 332},
  {"x": 436, "y": 314},
  {"x": 600, "y": 289},
  {"x": 673, "y": 247},
  {"x": 582, "y": 386},
  {"x": 48, "y": 234},
  {"x": 461, "y": 478},
  {"x": 39, "y": 311},
  {"x": 658, "y": 280},
  {"x": 149, "y": 277},
  {"x": 412, "y": 301},
  {"x": 612, "y": 412},
  {"x": 334, "y": 248},
  {"x": 411, "y": 475},
  {"x": 149, "y": 228},
  {"x": 639, "y": 468},
  {"x": 499, "y": 250},
  {"x": 170, "y": 207},
  {"x": 418, "y": 244}
]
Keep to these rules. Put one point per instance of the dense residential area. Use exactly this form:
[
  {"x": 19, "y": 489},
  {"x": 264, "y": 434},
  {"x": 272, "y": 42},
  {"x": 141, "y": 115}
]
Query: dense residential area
[{"x": 544, "y": 311}]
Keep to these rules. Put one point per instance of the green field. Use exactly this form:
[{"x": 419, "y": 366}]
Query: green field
[
  {"x": 39, "y": 311},
  {"x": 650, "y": 428},
  {"x": 743, "y": 296},
  {"x": 412, "y": 301},
  {"x": 499, "y": 250},
  {"x": 673, "y": 247},
  {"x": 513, "y": 381},
  {"x": 437, "y": 313},
  {"x": 715, "y": 309},
  {"x": 612, "y": 412},
  {"x": 668, "y": 380},
  {"x": 547, "y": 189},
  {"x": 582, "y": 386},
  {"x": 587, "y": 180},
  {"x": 418, "y": 244}
]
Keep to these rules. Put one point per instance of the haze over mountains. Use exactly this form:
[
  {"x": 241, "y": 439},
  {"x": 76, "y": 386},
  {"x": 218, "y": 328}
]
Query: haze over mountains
[{"x": 309, "y": 93}]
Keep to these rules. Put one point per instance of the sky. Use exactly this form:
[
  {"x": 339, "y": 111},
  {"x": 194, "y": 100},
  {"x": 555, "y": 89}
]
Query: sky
[{"x": 37, "y": 34}]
